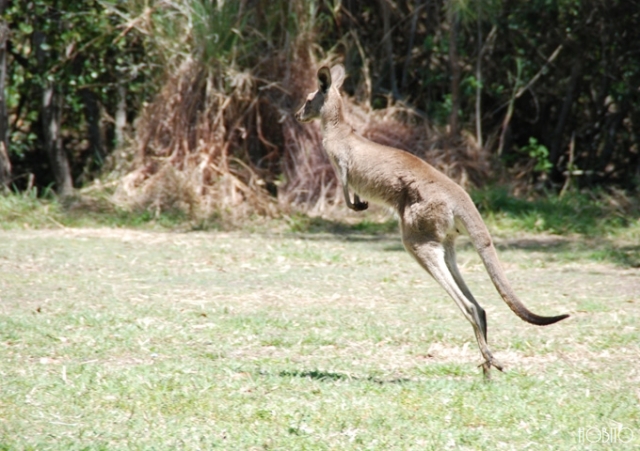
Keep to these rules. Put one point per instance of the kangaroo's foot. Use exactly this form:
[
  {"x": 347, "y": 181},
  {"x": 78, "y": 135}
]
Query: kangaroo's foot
[{"x": 486, "y": 367}]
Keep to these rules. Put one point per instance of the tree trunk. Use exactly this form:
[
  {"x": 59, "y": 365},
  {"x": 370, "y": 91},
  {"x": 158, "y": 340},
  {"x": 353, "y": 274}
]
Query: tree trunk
[
  {"x": 479, "y": 79},
  {"x": 612, "y": 126},
  {"x": 92, "y": 114},
  {"x": 121, "y": 115},
  {"x": 5, "y": 162},
  {"x": 388, "y": 45},
  {"x": 51, "y": 119},
  {"x": 556, "y": 144},
  {"x": 455, "y": 70},
  {"x": 412, "y": 35},
  {"x": 58, "y": 160}
]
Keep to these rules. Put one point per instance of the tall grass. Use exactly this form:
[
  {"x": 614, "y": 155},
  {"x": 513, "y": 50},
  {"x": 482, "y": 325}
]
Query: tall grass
[
  {"x": 220, "y": 138},
  {"x": 212, "y": 138}
]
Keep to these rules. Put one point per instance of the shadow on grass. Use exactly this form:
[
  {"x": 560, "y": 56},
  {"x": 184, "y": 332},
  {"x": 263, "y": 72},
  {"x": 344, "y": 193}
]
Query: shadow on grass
[
  {"x": 574, "y": 247},
  {"x": 591, "y": 214},
  {"x": 301, "y": 223},
  {"x": 581, "y": 224},
  {"x": 595, "y": 249},
  {"x": 330, "y": 376}
]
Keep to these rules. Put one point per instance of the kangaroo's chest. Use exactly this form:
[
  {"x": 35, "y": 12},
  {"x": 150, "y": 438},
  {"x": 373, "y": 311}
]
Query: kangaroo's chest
[{"x": 368, "y": 174}]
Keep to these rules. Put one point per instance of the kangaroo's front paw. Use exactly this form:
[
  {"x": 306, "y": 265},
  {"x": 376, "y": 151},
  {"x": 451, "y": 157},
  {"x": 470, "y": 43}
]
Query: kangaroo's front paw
[{"x": 360, "y": 205}]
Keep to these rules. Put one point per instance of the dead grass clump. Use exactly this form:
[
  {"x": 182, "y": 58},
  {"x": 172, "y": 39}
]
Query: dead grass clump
[
  {"x": 220, "y": 138},
  {"x": 193, "y": 148}
]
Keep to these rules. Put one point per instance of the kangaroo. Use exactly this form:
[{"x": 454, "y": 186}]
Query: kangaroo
[{"x": 433, "y": 209}]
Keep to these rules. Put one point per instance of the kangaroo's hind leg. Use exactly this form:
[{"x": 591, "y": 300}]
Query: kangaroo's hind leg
[
  {"x": 431, "y": 255},
  {"x": 452, "y": 265}
]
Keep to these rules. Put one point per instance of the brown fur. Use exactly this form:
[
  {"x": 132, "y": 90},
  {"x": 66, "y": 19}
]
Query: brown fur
[{"x": 433, "y": 209}]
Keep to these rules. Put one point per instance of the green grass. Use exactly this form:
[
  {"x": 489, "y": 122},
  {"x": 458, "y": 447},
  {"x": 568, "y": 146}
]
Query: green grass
[
  {"x": 591, "y": 227},
  {"x": 595, "y": 226},
  {"x": 124, "y": 339},
  {"x": 590, "y": 214},
  {"x": 30, "y": 211},
  {"x": 595, "y": 214}
]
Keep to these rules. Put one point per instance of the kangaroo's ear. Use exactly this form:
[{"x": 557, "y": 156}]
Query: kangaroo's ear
[
  {"x": 324, "y": 79},
  {"x": 337, "y": 75}
]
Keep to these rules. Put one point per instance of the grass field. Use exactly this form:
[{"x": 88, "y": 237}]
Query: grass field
[{"x": 116, "y": 339}]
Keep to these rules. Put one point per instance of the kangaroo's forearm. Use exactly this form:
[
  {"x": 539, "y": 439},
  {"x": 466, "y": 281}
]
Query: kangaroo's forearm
[{"x": 357, "y": 204}]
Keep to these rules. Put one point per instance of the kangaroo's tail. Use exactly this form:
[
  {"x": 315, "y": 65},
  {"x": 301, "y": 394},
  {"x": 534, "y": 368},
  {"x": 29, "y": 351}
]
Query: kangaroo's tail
[{"x": 481, "y": 239}]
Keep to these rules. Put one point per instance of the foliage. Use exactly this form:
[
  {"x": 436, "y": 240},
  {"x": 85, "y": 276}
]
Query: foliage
[
  {"x": 213, "y": 83},
  {"x": 539, "y": 154},
  {"x": 564, "y": 66},
  {"x": 86, "y": 53}
]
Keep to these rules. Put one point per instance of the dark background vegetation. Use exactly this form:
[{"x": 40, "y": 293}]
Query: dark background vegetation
[{"x": 188, "y": 104}]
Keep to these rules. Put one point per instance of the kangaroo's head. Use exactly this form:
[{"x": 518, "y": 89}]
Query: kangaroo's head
[{"x": 329, "y": 82}]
